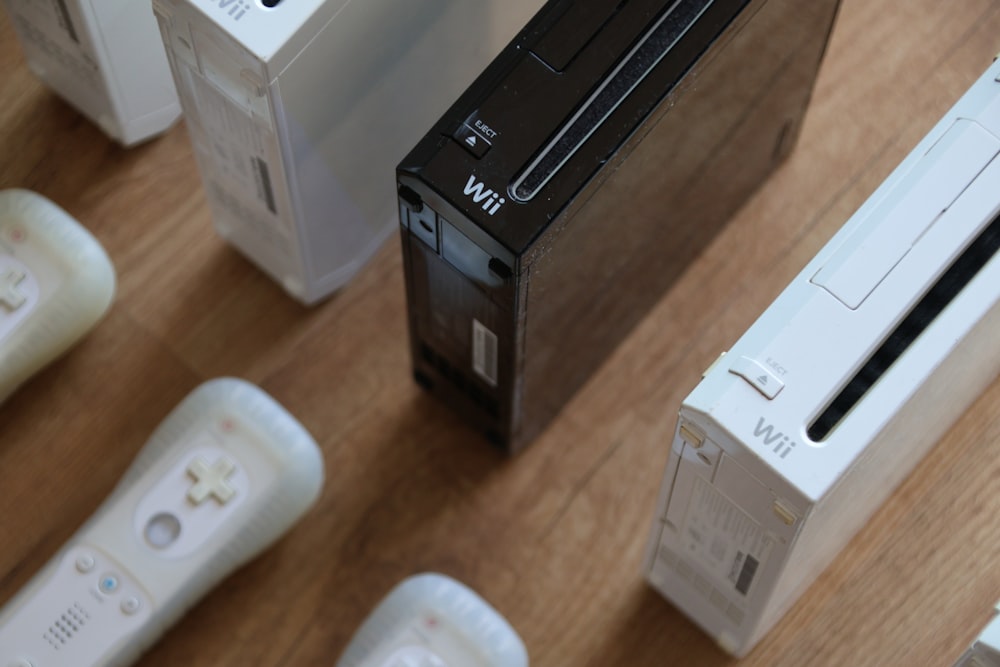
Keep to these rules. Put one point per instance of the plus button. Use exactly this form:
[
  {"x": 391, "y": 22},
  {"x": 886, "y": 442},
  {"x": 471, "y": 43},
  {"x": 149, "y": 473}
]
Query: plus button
[
  {"x": 211, "y": 480},
  {"x": 10, "y": 296}
]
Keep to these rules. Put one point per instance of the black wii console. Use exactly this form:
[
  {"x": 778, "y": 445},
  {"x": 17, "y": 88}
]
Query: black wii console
[{"x": 574, "y": 181}]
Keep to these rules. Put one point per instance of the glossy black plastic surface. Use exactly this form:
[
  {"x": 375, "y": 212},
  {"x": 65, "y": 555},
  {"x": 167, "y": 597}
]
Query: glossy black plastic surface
[{"x": 621, "y": 218}]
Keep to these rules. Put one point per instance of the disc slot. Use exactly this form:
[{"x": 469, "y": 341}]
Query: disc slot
[
  {"x": 656, "y": 43},
  {"x": 962, "y": 271}
]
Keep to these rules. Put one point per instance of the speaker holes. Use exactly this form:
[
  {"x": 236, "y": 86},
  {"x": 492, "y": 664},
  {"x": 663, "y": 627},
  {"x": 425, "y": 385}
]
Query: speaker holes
[{"x": 66, "y": 626}]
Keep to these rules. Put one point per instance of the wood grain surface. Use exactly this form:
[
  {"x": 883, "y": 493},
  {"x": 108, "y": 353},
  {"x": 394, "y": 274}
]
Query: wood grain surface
[{"x": 554, "y": 537}]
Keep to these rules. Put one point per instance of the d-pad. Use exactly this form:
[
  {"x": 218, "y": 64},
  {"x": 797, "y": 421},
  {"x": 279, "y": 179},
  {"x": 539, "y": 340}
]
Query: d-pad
[
  {"x": 10, "y": 296},
  {"x": 211, "y": 480}
]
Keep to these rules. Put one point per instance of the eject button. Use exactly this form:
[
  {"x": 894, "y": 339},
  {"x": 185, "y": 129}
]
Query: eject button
[
  {"x": 472, "y": 141},
  {"x": 759, "y": 377}
]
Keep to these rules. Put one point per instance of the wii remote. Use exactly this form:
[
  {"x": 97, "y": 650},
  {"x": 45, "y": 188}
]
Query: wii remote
[
  {"x": 56, "y": 282},
  {"x": 224, "y": 476},
  {"x": 430, "y": 620}
]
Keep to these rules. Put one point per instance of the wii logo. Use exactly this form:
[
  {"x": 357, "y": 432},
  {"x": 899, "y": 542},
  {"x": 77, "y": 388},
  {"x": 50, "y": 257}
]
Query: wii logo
[
  {"x": 479, "y": 193},
  {"x": 770, "y": 436},
  {"x": 236, "y": 8}
]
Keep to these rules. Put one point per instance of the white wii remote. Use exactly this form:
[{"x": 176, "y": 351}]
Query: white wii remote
[
  {"x": 56, "y": 282},
  {"x": 430, "y": 620},
  {"x": 224, "y": 476}
]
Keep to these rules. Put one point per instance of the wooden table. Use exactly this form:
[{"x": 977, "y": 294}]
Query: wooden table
[{"x": 554, "y": 537}]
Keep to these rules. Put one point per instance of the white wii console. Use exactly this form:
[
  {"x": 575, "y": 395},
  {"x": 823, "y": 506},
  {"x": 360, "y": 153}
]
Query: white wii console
[
  {"x": 226, "y": 474},
  {"x": 985, "y": 651},
  {"x": 104, "y": 58},
  {"x": 298, "y": 109},
  {"x": 431, "y": 620},
  {"x": 797, "y": 435}
]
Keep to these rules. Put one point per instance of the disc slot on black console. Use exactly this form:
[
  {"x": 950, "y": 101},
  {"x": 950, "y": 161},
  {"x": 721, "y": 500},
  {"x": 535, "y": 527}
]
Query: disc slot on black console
[
  {"x": 612, "y": 91},
  {"x": 924, "y": 313}
]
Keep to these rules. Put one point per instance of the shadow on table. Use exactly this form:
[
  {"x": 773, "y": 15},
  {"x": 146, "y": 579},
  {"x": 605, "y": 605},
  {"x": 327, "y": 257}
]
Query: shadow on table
[{"x": 653, "y": 633}]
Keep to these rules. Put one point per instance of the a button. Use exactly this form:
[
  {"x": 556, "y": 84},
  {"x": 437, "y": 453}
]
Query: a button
[
  {"x": 10, "y": 296},
  {"x": 211, "y": 480},
  {"x": 131, "y": 605},
  {"x": 109, "y": 584},
  {"x": 85, "y": 563},
  {"x": 759, "y": 377},
  {"x": 162, "y": 530},
  {"x": 472, "y": 141}
]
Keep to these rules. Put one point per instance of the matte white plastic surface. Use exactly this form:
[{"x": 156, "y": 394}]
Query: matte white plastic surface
[
  {"x": 56, "y": 282},
  {"x": 103, "y": 57},
  {"x": 298, "y": 112},
  {"x": 905, "y": 214},
  {"x": 753, "y": 508},
  {"x": 224, "y": 476},
  {"x": 430, "y": 620}
]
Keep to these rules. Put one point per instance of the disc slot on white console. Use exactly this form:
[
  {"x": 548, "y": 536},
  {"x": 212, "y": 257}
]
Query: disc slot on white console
[
  {"x": 906, "y": 212},
  {"x": 651, "y": 48},
  {"x": 924, "y": 313}
]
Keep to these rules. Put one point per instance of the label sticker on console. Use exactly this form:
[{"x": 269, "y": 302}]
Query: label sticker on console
[
  {"x": 724, "y": 539},
  {"x": 484, "y": 352},
  {"x": 240, "y": 160},
  {"x": 48, "y": 32}
]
